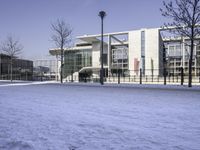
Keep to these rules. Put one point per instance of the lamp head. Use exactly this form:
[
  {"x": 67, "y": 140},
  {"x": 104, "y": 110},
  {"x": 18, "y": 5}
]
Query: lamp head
[{"x": 102, "y": 14}]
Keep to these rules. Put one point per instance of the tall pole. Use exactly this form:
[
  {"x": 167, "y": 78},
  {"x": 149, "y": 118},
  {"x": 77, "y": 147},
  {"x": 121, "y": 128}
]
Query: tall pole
[
  {"x": 0, "y": 66},
  {"x": 102, "y": 14},
  {"x": 164, "y": 65}
]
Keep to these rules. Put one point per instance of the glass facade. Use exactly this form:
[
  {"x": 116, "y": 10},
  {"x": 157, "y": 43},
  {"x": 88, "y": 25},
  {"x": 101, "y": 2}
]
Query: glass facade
[
  {"x": 198, "y": 56},
  {"x": 21, "y": 69},
  {"x": 119, "y": 58},
  {"x": 76, "y": 60},
  {"x": 175, "y": 50},
  {"x": 178, "y": 56}
]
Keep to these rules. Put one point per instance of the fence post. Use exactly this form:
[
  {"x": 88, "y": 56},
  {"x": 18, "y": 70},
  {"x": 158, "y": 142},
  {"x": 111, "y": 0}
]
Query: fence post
[
  {"x": 140, "y": 76},
  {"x": 165, "y": 77},
  {"x": 182, "y": 76},
  {"x": 85, "y": 77},
  {"x": 199, "y": 76},
  {"x": 109, "y": 76},
  {"x": 72, "y": 76},
  {"x": 118, "y": 77}
]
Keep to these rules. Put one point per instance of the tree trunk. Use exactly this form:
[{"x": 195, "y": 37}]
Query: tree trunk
[{"x": 190, "y": 63}]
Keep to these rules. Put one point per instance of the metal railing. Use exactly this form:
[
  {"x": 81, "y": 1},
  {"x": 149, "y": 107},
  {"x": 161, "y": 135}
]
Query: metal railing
[{"x": 147, "y": 76}]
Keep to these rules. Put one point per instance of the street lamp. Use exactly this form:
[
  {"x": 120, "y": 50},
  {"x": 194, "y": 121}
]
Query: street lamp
[
  {"x": 0, "y": 65},
  {"x": 102, "y": 14}
]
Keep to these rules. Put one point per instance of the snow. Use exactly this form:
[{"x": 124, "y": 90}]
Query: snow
[
  {"x": 52, "y": 116},
  {"x": 141, "y": 86}
]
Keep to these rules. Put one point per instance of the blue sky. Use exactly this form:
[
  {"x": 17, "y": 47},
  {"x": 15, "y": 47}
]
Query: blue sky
[{"x": 29, "y": 20}]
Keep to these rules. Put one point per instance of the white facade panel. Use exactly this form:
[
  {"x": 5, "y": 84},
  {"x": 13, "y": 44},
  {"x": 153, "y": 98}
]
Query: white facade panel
[
  {"x": 152, "y": 51},
  {"x": 134, "y": 51},
  {"x": 96, "y": 54}
]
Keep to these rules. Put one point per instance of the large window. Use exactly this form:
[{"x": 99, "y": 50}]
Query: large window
[
  {"x": 120, "y": 58},
  {"x": 175, "y": 51},
  {"x": 76, "y": 60}
]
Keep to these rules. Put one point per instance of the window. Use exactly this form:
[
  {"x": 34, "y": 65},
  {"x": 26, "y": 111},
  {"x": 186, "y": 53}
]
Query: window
[
  {"x": 120, "y": 57},
  {"x": 175, "y": 50},
  {"x": 76, "y": 60}
]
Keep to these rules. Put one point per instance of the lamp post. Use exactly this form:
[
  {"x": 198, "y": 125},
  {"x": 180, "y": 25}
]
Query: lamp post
[
  {"x": 0, "y": 66},
  {"x": 164, "y": 64},
  {"x": 102, "y": 14}
]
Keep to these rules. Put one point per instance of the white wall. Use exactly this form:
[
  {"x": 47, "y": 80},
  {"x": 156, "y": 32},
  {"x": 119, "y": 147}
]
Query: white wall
[
  {"x": 96, "y": 54},
  {"x": 134, "y": 49},
  {"x": 96, "y": 47},
  {"x": 153, "y": 50}
]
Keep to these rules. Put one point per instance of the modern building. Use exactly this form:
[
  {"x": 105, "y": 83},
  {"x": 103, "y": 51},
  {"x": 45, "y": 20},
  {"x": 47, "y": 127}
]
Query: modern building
[
  {"x": 45, "y": 69},
  {"x": 22, "y": 69},
  {"x": 178, "y": 53},
  {"x": 128, "y": 52}
]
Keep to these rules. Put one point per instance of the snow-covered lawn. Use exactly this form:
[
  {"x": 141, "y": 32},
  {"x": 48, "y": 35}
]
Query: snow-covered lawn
[{"x": 61, "y": 117}]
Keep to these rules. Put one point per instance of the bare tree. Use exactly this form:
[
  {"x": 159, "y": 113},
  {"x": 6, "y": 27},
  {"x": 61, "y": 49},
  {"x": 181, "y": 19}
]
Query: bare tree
[
  {"x": 185, "y": 21},
  {"x": 61, "y": 36},
  {"x": 12, "y": 48}
]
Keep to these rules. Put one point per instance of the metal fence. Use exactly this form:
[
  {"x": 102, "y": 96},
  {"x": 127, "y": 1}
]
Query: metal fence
[
  {"x": 148, "y": 76},
  {"x": 25, "y": 76}
]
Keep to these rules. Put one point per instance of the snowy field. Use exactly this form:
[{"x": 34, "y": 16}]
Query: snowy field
[{"x": 61, "y": 117}]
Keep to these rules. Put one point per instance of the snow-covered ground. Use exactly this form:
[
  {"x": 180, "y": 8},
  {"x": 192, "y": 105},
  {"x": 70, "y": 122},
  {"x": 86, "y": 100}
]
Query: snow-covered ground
[{"x": 66, "y": 117}]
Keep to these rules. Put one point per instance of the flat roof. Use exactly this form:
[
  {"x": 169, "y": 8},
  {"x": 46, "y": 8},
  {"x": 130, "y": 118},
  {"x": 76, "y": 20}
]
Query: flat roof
[
  {"x": 94, "y": 38},
  {"x": 90, "y": 68},
  {"x": 57, "y": 51}
]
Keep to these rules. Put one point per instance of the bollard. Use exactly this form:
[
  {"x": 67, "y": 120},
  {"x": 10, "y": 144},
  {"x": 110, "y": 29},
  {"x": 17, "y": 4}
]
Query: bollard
[
  {"x": 165, "y": 76},
  {"x": 182, "y": 76},
  {"x": 72, "y": 76},
  {"x": 85, "y": 77},
  {"x": 140, "y": 76},
  {"x": 118, "y": 77}
]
